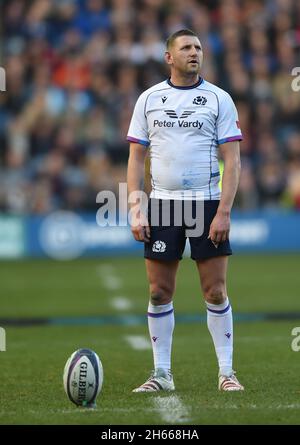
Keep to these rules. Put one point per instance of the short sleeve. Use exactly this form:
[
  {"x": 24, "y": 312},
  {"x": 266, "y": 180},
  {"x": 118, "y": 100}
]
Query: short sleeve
[
  {"x": 138, "y": 128},
  {"x": 228, "y": 127}
]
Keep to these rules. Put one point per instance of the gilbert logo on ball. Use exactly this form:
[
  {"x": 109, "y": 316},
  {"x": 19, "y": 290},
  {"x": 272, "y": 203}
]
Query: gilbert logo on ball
[{"x": 83, "y": 377}]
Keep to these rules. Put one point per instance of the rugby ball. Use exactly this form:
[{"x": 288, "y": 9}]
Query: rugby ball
[{"x": 83, "y": 377}]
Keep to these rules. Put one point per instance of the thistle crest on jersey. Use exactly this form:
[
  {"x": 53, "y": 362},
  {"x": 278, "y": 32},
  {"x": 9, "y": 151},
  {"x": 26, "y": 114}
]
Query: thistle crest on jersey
[{"x": 200, "y": 100}]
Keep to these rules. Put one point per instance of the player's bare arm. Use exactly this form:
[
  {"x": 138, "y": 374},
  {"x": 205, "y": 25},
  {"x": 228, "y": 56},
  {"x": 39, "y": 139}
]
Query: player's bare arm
[
  {"x": 135, "y": 181},
  {"x": 220, "y": 226}
]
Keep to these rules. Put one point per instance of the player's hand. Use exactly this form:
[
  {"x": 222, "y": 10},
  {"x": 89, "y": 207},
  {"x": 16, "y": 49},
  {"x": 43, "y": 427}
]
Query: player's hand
[
  {"x": 140, "y": 228},
  {"x": 219, "y": 228}
]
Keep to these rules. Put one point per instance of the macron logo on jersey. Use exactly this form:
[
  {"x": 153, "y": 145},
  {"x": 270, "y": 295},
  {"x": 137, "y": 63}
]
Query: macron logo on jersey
[{"x": 180, "y": 123}]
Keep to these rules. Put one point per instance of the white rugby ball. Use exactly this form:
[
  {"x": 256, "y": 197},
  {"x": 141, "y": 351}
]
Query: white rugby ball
[{"x": 83, "y": 377}]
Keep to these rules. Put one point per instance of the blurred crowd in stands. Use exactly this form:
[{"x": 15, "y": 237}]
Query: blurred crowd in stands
[{"x": 74, "y": 69}]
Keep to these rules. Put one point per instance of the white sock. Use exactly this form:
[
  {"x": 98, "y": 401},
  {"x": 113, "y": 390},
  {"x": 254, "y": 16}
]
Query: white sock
[
  {"x": 161, "y": 325},
  {"x": 219, "y": 322}
]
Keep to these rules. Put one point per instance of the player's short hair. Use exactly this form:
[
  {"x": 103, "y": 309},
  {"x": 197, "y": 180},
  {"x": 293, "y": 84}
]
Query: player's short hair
[{"x": 181, "y": 32}]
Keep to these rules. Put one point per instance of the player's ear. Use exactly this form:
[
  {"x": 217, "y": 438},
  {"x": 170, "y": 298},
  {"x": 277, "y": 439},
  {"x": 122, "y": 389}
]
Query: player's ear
[{"x": 168, "y": 58}]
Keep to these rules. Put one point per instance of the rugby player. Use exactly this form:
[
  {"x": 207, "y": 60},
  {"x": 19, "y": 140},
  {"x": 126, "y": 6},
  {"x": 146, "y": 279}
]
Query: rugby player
[{"x": 186, "y": 122}]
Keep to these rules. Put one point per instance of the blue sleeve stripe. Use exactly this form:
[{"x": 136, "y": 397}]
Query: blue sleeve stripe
[
  {"x": 138, "y": 141},
  {"x": 230, "y": 139}
]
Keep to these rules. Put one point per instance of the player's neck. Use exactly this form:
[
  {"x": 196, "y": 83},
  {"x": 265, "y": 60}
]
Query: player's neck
[{"x": 184, "y": 81}]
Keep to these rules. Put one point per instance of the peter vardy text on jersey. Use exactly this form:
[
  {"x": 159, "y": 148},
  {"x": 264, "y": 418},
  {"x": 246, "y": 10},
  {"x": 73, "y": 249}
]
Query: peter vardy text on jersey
[{"x": 180, "y": 124}]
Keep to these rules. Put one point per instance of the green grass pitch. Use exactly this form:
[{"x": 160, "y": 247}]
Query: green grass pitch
[{"x": 31, "y": 368}]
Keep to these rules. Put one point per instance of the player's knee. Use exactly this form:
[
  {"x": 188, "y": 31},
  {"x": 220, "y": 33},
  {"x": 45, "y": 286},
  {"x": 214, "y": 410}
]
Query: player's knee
[
  {"x": 160, "y": 295},
  {"x": 215, "y": 293}
]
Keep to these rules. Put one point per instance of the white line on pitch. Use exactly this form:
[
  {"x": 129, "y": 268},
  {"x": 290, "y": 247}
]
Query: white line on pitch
[
  {"x": 138, "y": 342},
  {"x": 109, "y": 277},
  {"x": 171, "y": 409},
  {"x": 253, "y": 406},
  {"x": 155, "y": 409},
  {"x": 111, "y": 282},
  {"x": 121, "y": 303}
]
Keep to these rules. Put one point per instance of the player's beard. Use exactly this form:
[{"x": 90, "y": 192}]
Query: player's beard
[
  {"x": 187, "y": 70},
  {"x": 193, "y": 69},
  {"x": 190, "y": 70}
]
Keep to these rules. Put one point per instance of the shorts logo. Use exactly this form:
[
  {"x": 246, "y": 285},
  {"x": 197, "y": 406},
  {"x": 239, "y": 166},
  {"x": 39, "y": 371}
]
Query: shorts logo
[{"x": 159, "y": 246}]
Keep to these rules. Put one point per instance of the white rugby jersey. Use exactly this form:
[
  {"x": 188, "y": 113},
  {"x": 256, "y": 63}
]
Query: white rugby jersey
[{"x": 183, "y": 127}]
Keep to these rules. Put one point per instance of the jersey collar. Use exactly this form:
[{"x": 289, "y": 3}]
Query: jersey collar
[{"x": 201, "y": 80}]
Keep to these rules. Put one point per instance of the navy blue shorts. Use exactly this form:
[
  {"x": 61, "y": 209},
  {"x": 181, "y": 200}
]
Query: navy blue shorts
[{"x": 168, "y": 237}]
